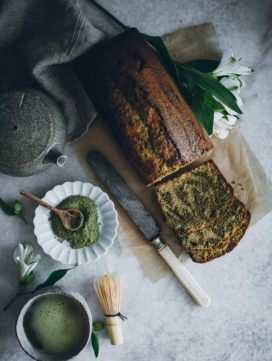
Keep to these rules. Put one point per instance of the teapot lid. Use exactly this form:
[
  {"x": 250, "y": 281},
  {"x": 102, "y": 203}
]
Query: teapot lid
[{"x": 26, "y": 126}]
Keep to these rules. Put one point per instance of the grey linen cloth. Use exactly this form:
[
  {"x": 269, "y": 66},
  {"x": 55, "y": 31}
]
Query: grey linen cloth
[{"x": 39, "y": 39}]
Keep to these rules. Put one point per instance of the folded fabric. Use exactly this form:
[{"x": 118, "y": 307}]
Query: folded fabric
[{"x": 39, "y": 39}]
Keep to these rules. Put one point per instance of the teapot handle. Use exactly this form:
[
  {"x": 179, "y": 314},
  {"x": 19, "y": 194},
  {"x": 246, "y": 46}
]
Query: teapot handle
[{"x": 55, "y": 156}]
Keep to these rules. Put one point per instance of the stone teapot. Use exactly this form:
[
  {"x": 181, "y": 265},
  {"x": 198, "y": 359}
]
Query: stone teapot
[{"x": 32, "y": 132}]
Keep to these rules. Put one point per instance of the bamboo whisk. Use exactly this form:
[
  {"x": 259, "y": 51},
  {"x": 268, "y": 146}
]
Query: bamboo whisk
[{"x": 109, "y": 291}]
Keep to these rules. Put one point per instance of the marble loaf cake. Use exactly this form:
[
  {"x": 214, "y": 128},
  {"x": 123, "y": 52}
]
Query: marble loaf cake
[
  {"x": 142, "y": 106},
  {"x": 199, "y": 204}
]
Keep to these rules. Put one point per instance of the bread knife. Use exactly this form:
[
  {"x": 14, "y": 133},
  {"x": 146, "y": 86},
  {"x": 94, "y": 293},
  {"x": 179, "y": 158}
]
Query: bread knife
[{"x": 145, "y": 222}]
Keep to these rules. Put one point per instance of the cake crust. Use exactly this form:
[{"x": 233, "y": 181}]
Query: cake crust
[
  {"x": 216, "y": 236},
  {"x": 142, "y": 106},
  {"x": 203, "y": 257}
]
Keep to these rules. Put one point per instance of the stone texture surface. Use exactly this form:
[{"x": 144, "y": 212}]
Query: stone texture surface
[{"x": 164, "y": 324}]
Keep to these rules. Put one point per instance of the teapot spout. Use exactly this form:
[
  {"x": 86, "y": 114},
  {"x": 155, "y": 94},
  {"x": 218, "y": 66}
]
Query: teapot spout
[{"x": 55, "y": 156}]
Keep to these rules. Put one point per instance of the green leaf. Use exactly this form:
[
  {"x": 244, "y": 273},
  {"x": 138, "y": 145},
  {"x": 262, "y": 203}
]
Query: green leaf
[
  {"x": 203, "y": 112},
  {"x": 204, "y": 65},
  {"x": 18, "y": 208},
  {"x": 98, "y": 326},
  {"x": 234, "y": 87},
  {"x": 30, "y": 278},
  {"x": 95, "y": 344},
  {"x": 208, "y": 83},
  {"x": 162, "y": 52},
  {"x": 6, "y": 208},
  {"x": 53, "y": 278}
]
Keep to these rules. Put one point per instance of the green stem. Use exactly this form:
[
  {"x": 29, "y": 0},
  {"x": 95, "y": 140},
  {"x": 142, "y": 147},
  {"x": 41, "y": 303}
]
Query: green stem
[
  {"x": 23, "y": 218},
  {"x": 11, "y": 301},
  {"x": 20, "y": 292},
  {"x": 112, "y": 17}
]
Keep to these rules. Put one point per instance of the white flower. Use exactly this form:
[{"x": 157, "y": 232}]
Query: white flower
[
  {"x": 228, "y": 118},
  {"x": 230, "y": 65},
  {"x": 223, "y": 122},
  {"x": 24, "y": 257},
  {"x": 234, "y": 84}
]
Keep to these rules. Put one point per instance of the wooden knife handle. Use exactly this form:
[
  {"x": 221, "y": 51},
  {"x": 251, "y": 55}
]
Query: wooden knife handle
[{"x": 182, "y": 274}]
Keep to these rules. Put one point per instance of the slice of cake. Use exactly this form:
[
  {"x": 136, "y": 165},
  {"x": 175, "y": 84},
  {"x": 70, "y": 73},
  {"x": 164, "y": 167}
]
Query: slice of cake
[
  {"x": 195, "y": 199},
  {"x": 213, "y": 237},
  {"x": 203, "y": 257}
]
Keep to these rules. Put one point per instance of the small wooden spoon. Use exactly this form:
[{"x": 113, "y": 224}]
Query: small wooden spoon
[{"x": 72, "y": 219}]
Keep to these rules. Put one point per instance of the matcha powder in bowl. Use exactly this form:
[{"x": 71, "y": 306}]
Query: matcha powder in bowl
[
  {"x": 88, "y": 233},
  {"x": 97, "y": 233}
]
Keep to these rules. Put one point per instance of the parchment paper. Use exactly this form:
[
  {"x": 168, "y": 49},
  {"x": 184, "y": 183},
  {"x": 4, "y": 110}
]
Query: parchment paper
[{"x": 232, "y": 155}]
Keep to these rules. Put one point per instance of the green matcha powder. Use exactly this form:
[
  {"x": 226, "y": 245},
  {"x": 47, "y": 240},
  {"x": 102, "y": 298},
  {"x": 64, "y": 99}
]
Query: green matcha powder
[{"x": 89, "y": 232}]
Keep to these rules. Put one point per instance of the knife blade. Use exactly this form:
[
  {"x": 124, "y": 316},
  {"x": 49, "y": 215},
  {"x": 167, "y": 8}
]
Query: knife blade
[{"x": 145, "y": 222}]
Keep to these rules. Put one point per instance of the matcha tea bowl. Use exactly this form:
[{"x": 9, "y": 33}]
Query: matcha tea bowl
[
  {"x": 54, "y": 325},
  {"x": 96, "y": 234}
]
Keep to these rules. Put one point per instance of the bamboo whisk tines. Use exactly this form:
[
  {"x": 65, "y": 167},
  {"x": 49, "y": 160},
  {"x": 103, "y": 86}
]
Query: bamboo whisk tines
[{"x": 109, "y": 291}]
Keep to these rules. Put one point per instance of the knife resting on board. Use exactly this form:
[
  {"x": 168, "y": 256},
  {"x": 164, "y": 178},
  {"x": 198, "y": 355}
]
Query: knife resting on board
[{"x": 145, "y": 222}]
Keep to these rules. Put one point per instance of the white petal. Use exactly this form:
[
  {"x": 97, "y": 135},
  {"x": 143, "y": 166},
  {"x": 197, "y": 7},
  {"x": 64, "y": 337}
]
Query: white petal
[
  {"x": 26, "y": 260},
  {"x": 220, "y": 132},
  {"x": 29, "y": 252},
  {"x": 239, "y": 100},
  {"x": 230, "y": 82},
  {"x": 243, "y": 70},
  {"x": 31, "y": 267},
  {"x": 230, "y": 65},
  {"x": 227, "y": 123},
  {"x": 36, "y": 258},
  {"x": 24, "y": 271},
  {"x": 217, "y": 116},
  {"x": 227, "y": 66},
  {"x": 18, "y": 252}
]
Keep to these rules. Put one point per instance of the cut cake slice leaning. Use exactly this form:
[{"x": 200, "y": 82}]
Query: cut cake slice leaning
[
  {"x": 195, "y": 199},
  {"x": 203, "y": 257},
  {"x": 211, "y": 238}
]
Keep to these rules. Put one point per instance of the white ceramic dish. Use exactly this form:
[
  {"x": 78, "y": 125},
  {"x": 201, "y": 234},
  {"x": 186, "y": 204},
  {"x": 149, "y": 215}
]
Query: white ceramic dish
[{"x": 61, "y": 251}]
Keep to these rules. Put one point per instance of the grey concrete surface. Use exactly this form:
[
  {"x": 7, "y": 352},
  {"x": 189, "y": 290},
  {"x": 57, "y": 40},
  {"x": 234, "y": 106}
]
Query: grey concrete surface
[{"x": 164, "y": 324}]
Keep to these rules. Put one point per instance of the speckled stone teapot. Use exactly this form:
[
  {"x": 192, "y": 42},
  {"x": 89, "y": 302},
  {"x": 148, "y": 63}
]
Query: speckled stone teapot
[{"x": 32, "y": 132}]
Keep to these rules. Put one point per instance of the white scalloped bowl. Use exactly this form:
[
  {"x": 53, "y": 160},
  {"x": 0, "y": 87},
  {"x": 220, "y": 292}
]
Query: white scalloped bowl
[{"x": 61, "y": 251}]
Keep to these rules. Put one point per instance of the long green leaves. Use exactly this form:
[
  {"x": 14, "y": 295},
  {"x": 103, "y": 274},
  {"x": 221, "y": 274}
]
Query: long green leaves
[
  {"x": 210, "y": 84},
  {"x": 194, "y": 85}
]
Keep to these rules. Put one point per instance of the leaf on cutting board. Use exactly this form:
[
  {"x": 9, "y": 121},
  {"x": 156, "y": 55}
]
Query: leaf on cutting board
[{"x": 95, "y": 344}]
